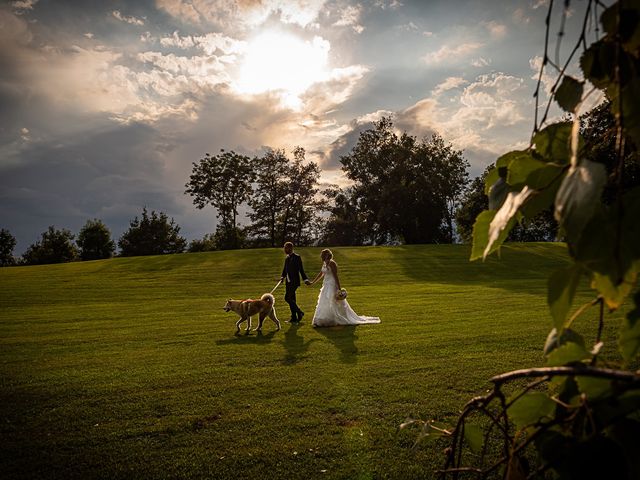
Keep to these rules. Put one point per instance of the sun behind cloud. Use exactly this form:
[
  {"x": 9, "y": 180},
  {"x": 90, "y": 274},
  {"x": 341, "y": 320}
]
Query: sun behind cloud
[{"x": 283, "y": 63}]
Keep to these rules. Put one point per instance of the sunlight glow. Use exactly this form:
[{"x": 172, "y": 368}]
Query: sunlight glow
[{"x": 283, "y": 63}]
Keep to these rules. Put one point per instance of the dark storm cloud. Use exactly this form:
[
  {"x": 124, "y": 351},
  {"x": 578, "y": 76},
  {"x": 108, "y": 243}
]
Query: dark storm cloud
[{"x": 109, "y": 174}]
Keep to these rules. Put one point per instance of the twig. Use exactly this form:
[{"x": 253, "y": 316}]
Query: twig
[{"x": 583, "y": 371}]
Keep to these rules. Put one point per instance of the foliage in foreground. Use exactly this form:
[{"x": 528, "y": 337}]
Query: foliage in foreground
[{"x": 579, "y": 417}]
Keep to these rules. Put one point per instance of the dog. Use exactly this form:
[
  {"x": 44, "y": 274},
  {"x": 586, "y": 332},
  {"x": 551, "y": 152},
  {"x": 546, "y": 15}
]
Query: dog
[{"x": 247, "y": 308}]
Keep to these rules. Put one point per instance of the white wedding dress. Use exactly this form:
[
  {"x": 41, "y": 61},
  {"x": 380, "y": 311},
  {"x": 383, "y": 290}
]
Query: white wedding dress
[{"x": 329, "y": 311}]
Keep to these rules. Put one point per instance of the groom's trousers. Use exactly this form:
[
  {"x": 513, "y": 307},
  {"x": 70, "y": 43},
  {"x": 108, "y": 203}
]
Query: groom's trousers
[{"x": 290, "y": 298}]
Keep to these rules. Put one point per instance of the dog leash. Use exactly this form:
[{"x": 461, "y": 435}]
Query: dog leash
[{"x": 277, "y": 285}]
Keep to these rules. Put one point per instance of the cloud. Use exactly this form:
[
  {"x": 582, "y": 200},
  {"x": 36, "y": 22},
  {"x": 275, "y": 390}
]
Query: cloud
[
  {"x": 209, "y": 43},
  {"x": 243, "y": 14},
  {"x": 480, "y": 62},
  {"x": 479, "y": 118},
  {"x": 547, "y": 80},
  {"x": 497, "y": 30},
  {"x": 350, "y": 17},
  {"x": 449, "y": 84},
  {"x": 127, "y": 19},
  {"x": 450, "y": 54},
  {"x": 22, "y": 6}
]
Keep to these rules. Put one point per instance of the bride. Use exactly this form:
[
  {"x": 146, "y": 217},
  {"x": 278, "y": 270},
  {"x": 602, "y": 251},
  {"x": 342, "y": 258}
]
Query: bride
[{"x": 330, "y": 310}]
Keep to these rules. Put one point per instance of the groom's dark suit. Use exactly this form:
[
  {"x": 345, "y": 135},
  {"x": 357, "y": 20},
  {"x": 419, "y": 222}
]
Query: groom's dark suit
[{"x": 291, "y": 273}]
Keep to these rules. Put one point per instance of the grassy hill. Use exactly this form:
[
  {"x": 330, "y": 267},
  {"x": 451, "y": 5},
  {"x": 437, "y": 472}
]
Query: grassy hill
[{"x": 129, "y": 367}]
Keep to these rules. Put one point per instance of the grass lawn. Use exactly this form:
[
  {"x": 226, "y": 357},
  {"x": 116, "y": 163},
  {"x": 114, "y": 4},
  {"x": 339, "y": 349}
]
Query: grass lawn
[{"x": 129, "y": 367}]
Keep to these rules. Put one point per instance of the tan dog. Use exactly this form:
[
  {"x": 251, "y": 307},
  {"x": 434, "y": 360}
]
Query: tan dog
[{"x": 247, "y": 308}]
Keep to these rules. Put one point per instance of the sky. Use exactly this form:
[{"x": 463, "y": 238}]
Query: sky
[{"x": 105, "y": 105}]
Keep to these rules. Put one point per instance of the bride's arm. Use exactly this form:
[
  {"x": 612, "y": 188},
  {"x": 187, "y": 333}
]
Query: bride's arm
[
  {"x": 318, "y": 276},
  {"x": 334, "y": 268}
]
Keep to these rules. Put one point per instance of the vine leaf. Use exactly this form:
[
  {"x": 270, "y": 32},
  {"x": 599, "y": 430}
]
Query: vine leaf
[
  {"x": 481, "y": 235},
  {"x": 613, "y": 292},
  {"x": 567, "y": 335},
  {"x": 530, "y": 409},
  {"x": 553, "y": 143},
  {"x": 578, "y": 196},
  {"x": 569, "y": 93},
  {"x": 561, "y": 288},
  {"x": 629, "y": 341},
  {"x": 504, "y": 219},
  {"x": 474, "y": 437},
  {"x": 568, "y": 353},
  {"x": 593, "y": 387},
  {"x": 598, "y": 63},
  {"x": 497, "y": 193}
]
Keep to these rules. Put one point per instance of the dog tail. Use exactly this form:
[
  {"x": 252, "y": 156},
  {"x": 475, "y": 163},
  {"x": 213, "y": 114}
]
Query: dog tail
[{"x": 267, "y": 297}]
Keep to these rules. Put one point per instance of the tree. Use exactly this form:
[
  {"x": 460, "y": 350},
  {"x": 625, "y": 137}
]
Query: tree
[
  {"x": 56, "y": 246},
  {"x": 95, "y": 241},
  {"x": 7, "y": 244},
  {"x": 579, "y": 415},
  {"x": 404, "y": 187},
  {"x": 206, "y": 244},
  {"x": 223, "y": 181},
  {"x": 270, "y": 195},
  {"x": 301, "y": 203},
  {"x": 345, "y": 225},
  {"x": 151, "y": 235}
]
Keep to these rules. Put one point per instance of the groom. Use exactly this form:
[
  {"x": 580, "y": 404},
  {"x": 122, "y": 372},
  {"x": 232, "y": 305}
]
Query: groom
[{"x": 291, "y": 274}]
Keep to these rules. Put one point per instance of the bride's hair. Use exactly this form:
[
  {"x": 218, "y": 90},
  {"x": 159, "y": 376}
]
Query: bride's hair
[{"x": 326, "y": 254}]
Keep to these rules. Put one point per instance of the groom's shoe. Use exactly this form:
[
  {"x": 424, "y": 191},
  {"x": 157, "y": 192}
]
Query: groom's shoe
[
  {"x": 300, "y": 315},
  {"x": 292, "y": 320}
]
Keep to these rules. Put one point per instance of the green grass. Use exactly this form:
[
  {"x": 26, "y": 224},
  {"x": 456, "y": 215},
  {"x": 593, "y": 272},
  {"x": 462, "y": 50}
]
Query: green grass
[{"x": 129, "y": 368}]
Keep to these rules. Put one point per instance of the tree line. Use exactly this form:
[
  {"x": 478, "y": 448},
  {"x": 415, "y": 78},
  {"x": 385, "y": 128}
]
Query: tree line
[
  {"x": 403, "y": 190},
  {"x": 151, "y": 234}
]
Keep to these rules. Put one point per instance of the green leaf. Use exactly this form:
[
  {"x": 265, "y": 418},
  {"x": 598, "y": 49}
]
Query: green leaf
[
  {"x": 567, "y": 335},
  {"x": 497, "y": 194},
  {"x": 542, "y": 199},
  {"x": 481, "y": 235},
  {"x": 526, "y": 170},
  {"x": 578, "y": 196},
  {"x": 561, "y": 288},
  {"x": 531, "y": 408},
  {"x": 474, "y": 437},
  {"x": 613, "y": 291},
  {"x": 505, "y": 218},
  {"x": 569, "y": 93},
  {"x": 629, "y": 341},
  {"x": 553, "y": 143},
  {"x": 568, "y": 353},
  {"x": 629, "y": 29},
  {"x": 634, "y": 315},
  {"x": 492, "y": 177},
  {"x": 630, "y": 110},
  {"x": 594, "y": 388},
  {"x": 598, "y": 63}
]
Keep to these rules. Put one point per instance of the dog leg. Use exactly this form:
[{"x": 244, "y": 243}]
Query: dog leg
[
  {"x": 248, "y": 324},
  {"x": 272, "y": 316},
  {"x": 238, "y": 323},
  {"x": 261, "y": 319}
]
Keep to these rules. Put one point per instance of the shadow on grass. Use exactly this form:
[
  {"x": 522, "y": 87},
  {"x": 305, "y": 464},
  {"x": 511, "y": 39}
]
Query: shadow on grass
[
  {"x": 515, "y": 268},
  {"x": 254, "y": 337},
  {"x": 295, "y": 345},
  {"x": 344, "y": 339}
]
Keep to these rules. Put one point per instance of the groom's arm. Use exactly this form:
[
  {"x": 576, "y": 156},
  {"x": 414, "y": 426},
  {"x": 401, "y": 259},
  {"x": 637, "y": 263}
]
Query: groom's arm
[
  {"x": 284, "y": 270},
  {"x": 304, "y": 275}
]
